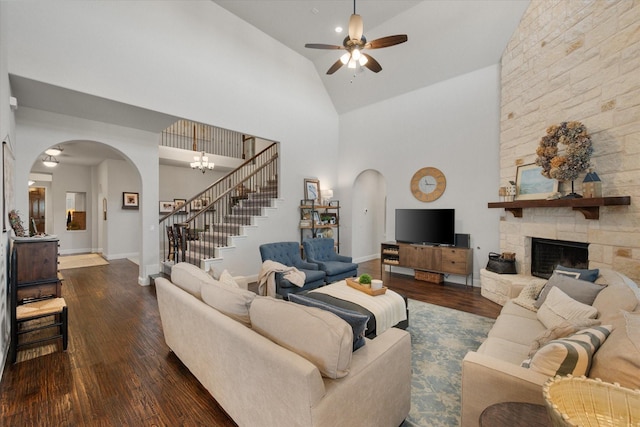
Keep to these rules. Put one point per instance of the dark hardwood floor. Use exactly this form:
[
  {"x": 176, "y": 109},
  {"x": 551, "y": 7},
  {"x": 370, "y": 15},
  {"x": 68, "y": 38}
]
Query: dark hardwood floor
[{"x": 118, "y": 371}]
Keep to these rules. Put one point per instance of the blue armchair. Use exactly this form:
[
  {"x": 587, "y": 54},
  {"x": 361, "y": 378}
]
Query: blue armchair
[
  {"x": 288, "y": 253},
  {"x": 322, "y": 252}
]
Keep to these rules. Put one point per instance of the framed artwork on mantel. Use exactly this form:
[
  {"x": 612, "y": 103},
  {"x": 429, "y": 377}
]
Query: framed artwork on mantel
[{"x": 532, "y": 185}]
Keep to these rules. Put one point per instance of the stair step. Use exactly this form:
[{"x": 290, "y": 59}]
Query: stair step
[
  {"x": 238, "y": 219},
  {"x": 228, "y": 228},
  {"x": 249, "y": 210},
  {"x": 263, "y": 203}
]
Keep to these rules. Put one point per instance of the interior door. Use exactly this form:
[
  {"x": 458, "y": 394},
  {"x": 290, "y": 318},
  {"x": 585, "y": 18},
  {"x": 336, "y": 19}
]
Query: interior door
[{"x": 36, "y": 209}]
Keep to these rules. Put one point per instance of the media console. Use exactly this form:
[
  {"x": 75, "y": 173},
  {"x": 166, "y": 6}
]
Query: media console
[{"x": 436, "y": 259}]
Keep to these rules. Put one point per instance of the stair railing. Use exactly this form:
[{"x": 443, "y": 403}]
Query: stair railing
[{"x": 208, "y": 220}]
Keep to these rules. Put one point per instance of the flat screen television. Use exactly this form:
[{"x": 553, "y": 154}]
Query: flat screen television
[{"x": 425, "y": 226}]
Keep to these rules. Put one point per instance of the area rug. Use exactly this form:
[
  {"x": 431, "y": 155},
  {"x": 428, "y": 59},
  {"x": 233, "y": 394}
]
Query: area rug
[
  {"x": 440, "y": 338},
  {"x": 82, "y": 260}
]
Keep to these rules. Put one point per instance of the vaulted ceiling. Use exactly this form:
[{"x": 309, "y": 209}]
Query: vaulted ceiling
[{"x": 447, "y": 38}]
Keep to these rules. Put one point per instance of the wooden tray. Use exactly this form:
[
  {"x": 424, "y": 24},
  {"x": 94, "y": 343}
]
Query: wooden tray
[{"x": 366, "y": 289}]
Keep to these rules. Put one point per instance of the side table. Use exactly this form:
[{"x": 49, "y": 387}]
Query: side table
[{"x": 515, "y": 414}]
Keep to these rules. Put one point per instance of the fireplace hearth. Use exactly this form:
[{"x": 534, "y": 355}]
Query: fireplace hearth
[{"x": 546, "y": 254}]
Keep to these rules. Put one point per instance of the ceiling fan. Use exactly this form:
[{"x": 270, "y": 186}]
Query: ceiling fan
[{"x": 355, "y": 43}]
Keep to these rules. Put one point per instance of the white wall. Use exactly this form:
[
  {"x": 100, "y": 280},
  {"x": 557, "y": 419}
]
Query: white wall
[
  {"x": 210, "y": 67},
  {"x": 6, "y": 130},
  {"x": 38, "y": 130},
  {"x": 453, "y": 126}
]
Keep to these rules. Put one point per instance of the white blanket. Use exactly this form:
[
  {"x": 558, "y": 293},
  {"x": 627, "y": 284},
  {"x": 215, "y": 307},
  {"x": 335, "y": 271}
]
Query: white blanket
[
  {"x": 267, "y": 277},
  {"x": 389, "y": 308}
]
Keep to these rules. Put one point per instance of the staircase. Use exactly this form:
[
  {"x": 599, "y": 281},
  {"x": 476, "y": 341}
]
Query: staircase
[{"x": 222, "y": 211}]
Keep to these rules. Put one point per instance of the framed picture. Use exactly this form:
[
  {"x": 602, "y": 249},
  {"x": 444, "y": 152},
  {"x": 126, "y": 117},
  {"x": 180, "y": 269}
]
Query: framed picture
[
  {"x": 181, "y": 204},
  {"x": 130, "y": 200},
  {"x": 166, "y": 207},
  {"x": 312, "y": 189},
  {"x": 196, "y": 205},
  {"x": 316, "y": 217},
  {"x": 532, "y": 185}
]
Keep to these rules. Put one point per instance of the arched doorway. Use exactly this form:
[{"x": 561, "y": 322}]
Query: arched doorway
[
  {"x": 368, "y": 214},
  {"x": 88, "y": 179}
]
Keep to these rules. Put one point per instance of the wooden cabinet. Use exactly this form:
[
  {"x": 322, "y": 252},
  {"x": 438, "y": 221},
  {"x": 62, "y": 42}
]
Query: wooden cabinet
[
  {"x": 457, "y": 260},
  {"x": 437, "y": 259},
  {"x": 317, "y": 221},
  {"x": 421, "y": 257},
  {"x": 35, "y": 285}
]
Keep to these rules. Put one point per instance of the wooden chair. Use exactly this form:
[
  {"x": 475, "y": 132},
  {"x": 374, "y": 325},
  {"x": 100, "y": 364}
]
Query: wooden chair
[{"x": 39, "y": 316}]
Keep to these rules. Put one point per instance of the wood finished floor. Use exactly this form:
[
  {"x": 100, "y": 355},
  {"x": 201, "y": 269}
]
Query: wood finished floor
[{"x": 118, "y": 371}]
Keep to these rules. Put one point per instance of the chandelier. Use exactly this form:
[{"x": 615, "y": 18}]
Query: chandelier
[{"x": 200, "y": 162}]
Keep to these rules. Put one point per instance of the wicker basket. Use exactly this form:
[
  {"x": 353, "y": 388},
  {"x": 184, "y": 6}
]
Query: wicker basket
[
  {"x": 428, "y": 276},
  {"x": 581, "y": 401}
]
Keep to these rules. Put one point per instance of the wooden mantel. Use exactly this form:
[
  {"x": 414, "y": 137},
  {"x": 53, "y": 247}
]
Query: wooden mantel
[{"x": 590, "y": 207}]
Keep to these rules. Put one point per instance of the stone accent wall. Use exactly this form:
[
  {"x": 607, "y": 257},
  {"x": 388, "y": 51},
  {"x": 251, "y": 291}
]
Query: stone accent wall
[{"x": 576, "y": 60}]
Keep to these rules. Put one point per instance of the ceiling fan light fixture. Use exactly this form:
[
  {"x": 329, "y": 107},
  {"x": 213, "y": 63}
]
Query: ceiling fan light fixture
[
  {"x": 352, "y": 63},
  {"x": 363, "y": 60},
  {"x": 355, "y": 54},
  {"x": 53, "y": 151},
  {"x": 356, "y": 27},
  {"x": 50, "y": 161},
  {"x": 345, "y": 58}
]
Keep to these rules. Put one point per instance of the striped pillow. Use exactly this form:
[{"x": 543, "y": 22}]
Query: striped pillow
[{"x": 571, "y": 355}]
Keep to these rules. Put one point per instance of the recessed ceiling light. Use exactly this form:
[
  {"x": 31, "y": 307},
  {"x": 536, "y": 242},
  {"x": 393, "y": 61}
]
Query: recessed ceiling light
[{"x": 338, "y": 29}]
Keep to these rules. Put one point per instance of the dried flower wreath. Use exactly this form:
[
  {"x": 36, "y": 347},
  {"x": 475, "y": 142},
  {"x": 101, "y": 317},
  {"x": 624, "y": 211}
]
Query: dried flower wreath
[{"x": 565, "y": 167}]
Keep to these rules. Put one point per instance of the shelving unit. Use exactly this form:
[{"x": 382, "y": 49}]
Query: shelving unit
[
  {"x": 317, "y": 220},
  {"x": 434, "y": 259}
]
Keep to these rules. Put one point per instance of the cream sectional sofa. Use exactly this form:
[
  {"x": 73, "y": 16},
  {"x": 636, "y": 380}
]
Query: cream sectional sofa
[
  {"x": 270, "y": 362},
  {"x": 494, "y": 374}
]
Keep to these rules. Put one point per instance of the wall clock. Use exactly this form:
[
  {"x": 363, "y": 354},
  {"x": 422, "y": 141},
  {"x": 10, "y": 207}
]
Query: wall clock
[{"x": 428, "y": 184}]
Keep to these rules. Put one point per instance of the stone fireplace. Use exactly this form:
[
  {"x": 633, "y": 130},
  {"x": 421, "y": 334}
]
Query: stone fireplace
[
  {"x": 568, "y": 61},
  {"x": 547, "y": 253}
]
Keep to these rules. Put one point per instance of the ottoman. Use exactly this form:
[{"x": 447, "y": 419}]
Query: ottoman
[{"x": 384, "y": 311}]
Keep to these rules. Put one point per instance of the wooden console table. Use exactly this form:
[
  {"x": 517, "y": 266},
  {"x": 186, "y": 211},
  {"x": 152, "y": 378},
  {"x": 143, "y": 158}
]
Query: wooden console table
[
  {"x": 590, "y": 207},
  {"x": 437, "y": 259}
]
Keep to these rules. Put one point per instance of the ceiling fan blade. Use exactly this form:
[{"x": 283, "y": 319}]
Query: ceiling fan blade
[
  {"x": 322, "y": 46},
  {"x": 356, "y": 27},
  {"x": 372, "y": 64},
  {"x": 387, "y": 41},
  {"x": 335, "y": 67}
]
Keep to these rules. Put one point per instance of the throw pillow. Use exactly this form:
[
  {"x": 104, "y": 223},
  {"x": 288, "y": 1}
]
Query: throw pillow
[
  {"x": 618, "y": 360},
  {"x": 579, "y": 290},
  {"x": 528, "y": 295},
  {"x": 560, "y": 307},
  {"x": 571, "y": 355},
  {"x": 190, "y": 278},
  {"x": 357, "y": 321},
  {"x": 232, "y": 302},
  {"x": 561, "y": 330},
  {"x": 578, "y": 273},
  {"x": 321, "y": 337},
  {"x": 214, "y": 273},
  {"x": 227, "y": 279}
]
